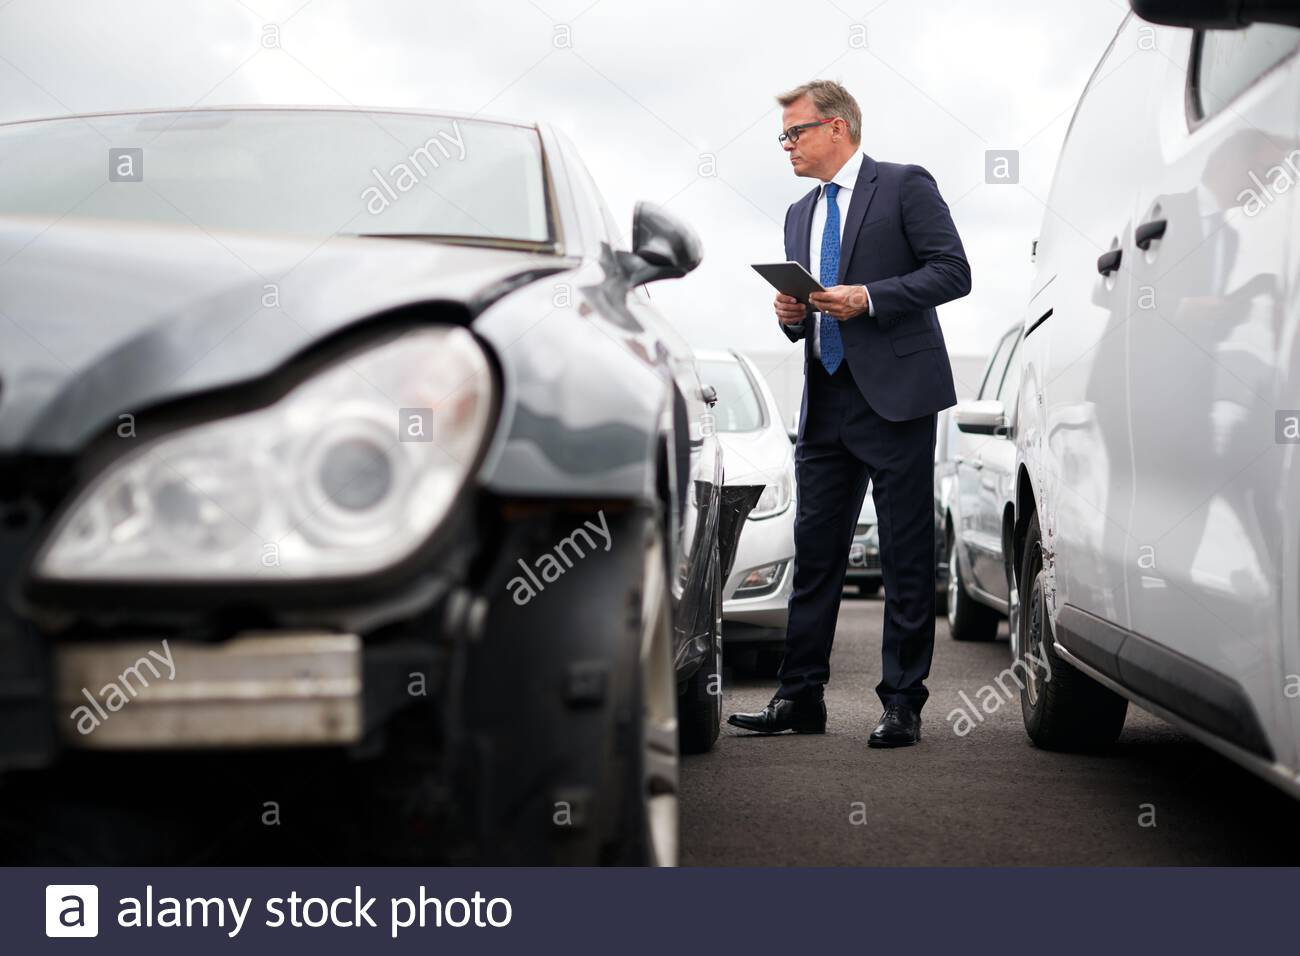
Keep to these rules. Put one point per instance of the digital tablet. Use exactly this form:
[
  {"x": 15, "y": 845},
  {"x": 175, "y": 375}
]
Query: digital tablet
[{"x": 789, "y": 278}]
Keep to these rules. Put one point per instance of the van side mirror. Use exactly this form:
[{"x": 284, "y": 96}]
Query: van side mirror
[
  {"x": 663, "y": 247},
  {"x": 1216, "y": 14},
  {"x": 985, "y": 417}
]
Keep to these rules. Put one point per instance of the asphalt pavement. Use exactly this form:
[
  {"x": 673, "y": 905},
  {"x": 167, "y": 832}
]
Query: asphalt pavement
[{"x": 984, "y": 797}]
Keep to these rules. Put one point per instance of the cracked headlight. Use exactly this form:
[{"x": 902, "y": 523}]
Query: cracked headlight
[{"x": 346, "y": 474}]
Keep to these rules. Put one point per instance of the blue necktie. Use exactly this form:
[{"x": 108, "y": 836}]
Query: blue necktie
[{"x": 832, "y": 345}]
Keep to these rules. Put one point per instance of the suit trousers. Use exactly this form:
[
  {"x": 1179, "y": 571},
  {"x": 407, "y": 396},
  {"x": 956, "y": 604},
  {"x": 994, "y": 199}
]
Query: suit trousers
[{"x": 842, "y": 444}]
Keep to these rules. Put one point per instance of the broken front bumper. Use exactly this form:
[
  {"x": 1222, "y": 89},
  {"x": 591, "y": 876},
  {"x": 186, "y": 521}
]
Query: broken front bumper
[
  {"x": 233, "y": 670},
  {"x": 257, "y": 689}
]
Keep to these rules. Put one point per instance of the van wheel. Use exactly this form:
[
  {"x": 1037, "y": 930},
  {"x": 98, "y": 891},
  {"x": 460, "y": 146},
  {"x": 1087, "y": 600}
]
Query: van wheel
[
  {"x": 1064, "y": 708},
  {"x": 968, "y": 619}
]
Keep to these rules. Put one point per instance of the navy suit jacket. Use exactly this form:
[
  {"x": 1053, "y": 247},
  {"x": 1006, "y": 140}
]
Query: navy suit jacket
[{"x": 900, "y": 242}]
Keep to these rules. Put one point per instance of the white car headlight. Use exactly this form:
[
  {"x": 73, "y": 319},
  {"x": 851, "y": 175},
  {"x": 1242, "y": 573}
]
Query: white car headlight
[
  {"x": 776, "y": 497},
  {"x": 346, "y": 474}
]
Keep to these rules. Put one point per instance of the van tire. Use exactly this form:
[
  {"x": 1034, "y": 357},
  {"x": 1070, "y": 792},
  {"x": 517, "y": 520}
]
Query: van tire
[{"x": 1063, "y": 708}]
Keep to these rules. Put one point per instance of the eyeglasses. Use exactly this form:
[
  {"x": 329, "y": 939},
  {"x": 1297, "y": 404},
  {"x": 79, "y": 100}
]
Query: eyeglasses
[{"x": 792, "y": 134}]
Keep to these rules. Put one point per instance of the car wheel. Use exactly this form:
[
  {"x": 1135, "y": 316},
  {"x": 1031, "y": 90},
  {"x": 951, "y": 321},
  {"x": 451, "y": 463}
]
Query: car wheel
[
  {"x": 650, "y": 792},
  {"x": 562, "y": 749},
  {"x": 769, "y": 661},
  {"x": 1064, "y": 708},
  {"x": 968, "y": 619},
  {"x": 743, "y": 659},
  {"x": 941, "y": 591},
  {"x": 699, "y": 707}
]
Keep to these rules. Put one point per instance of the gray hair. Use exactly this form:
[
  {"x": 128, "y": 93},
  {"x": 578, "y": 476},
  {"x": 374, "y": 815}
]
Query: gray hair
[{"x": 829, "y": 99}]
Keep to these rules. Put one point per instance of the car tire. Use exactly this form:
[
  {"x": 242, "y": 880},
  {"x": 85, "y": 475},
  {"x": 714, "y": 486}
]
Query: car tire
[
  {"x": 699, "y": 706},
  {"x": 1064, "y": 708},
  {"x": 650, "y": 806},
  {"x": 769, "y": 661},
  {"x": 558, "y": 726},
  {"x": 968, "y": 619}
]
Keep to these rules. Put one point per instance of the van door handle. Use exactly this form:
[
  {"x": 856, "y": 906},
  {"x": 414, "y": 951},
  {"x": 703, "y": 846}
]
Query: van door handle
[
  {"x": 1149, "y": 231},
  {"x": 1108, "y": 262}
]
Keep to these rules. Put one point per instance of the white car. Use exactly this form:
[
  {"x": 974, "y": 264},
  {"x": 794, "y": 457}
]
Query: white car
[
  {"x": 978, "y": 513},
  {"x": 864, "y": 552},
  {"x": 756, "y": 448},
  {"x": 1157, "y": 519}
]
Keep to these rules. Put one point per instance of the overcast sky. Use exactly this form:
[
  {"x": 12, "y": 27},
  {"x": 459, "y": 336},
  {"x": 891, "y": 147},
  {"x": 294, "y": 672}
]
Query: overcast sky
[{"x": 647, "y": 91}]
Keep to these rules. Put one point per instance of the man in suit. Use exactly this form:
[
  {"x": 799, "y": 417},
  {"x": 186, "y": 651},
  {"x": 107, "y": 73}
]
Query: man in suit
[{"x": 881, "y": 240}]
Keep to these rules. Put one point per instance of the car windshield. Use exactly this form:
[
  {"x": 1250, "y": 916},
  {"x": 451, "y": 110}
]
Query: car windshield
[
  {"x": 738, "y": 408},
  {"x": 309, "y": 172}
]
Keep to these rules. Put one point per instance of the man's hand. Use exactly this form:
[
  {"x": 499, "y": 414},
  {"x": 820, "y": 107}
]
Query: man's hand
[
  {"x": 841, "y": 301},
  {"x": 789, "y": 310}
]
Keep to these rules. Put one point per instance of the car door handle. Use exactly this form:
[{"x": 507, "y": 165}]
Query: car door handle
[
  {"x": 1148, "y": 232},
  {"x": 1108, "y": 262}
]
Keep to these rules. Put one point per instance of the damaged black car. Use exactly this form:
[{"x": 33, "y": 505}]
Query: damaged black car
[{"x": 347, "y": 472}]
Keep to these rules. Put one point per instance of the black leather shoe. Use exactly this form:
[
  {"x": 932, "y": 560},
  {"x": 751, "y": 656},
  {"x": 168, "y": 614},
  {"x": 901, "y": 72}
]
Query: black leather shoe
[
  {"x": 899, "y": 726},
  {"x": 803, "y": 717}
]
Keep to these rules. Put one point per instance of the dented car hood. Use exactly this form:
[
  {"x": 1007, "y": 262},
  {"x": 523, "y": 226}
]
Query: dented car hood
[{"x": 97, "y": 318}]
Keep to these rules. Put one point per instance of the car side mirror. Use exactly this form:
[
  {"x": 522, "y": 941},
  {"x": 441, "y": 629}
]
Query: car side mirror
[
  {"x": 1216, "y": 14},
  {"x": 986, "y": 417},
  {"x": 663, "y": 247}
]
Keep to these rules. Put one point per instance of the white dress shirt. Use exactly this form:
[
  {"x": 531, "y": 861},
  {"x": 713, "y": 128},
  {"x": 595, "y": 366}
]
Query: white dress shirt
[{"x": 847, "y": 178}]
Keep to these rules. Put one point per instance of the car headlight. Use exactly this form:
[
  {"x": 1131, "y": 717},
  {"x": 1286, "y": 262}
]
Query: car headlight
[
  {"x": 347, "y": 473},
  {"x": 776, "y": 497}
]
